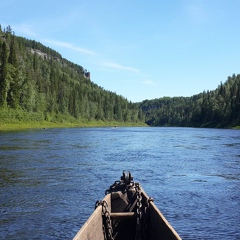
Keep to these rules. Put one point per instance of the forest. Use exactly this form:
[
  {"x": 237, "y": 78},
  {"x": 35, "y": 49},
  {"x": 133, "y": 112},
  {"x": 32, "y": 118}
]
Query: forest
[
  {"x": 217, "y": 108},
  {"x": 38, "y": 84}
]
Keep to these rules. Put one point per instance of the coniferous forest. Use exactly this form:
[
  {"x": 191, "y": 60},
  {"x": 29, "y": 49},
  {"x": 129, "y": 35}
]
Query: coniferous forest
[
  {"x": 38, "y": 84},
  {"x": 217, "y": 108}
]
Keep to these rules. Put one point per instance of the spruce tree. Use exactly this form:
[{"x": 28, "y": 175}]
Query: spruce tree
[
  {"x": 4, "y": 84},
  {"x": 13, "y": 94}
]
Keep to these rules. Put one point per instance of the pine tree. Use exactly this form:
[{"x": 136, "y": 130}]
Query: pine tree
[
  {"x": 12, "y": 59},
  {"x": 4, "y": 84},
  {"x": 14, "y": 91}
]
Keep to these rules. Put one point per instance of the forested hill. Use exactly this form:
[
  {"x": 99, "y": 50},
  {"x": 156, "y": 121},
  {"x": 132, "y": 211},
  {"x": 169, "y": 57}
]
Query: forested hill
[
  {"x": 37, "y": 84},
  {"x": 218, "y": 108}
]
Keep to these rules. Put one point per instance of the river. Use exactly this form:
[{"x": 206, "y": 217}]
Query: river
[{"x": 50, "y": 179}]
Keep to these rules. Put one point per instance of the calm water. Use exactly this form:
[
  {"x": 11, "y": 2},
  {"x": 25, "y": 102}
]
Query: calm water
[{"x": 50, "y": 179}]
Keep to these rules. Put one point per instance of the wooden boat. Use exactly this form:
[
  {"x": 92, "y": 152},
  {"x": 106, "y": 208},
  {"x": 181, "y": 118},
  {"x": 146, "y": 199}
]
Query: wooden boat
[{"x": 126, "y": 213}]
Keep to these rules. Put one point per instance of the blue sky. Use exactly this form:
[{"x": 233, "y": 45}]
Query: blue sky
[{"x": 138, "y": 49}]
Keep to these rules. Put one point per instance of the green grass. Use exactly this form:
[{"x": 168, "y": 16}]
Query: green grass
[
  {"x": 18, "y": 119},
  {"x": 18, "y": 126}
]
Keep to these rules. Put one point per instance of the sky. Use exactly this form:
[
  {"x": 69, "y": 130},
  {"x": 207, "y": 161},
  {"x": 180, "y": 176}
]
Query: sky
[{"x": 138, "y": 49}]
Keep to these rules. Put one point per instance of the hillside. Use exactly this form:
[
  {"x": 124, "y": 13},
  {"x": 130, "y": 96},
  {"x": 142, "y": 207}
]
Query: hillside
[
  {"x": 218, "y": 108},
  {"x": 37, "y": 84}
]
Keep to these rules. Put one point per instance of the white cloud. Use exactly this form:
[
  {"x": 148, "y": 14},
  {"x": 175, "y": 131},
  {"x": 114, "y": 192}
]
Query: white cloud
[
  {"x": 69, "y": 46},
  {"x": 120, "y": 67},
  {"x": 25, "y": 30},
  {"x": 148, "y": 82}
]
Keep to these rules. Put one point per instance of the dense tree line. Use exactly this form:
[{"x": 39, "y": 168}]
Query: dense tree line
[
  {"x": 37, "y": 80},
  {"x": 36, "y": 84},
  {"x": 218, "y": 108}
]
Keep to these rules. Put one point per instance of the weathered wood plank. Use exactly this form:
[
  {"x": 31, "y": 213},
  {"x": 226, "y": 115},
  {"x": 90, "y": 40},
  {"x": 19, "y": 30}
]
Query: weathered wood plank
[
  {"x": 123, "y": 215},
  {"x": 124, "y": 223},
  {"x": 158, "y": 226},
  {"x": 93, "y": 228}
]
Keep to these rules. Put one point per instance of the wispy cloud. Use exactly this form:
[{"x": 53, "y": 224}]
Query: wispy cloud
[
  {"x": 148, "y": 82},
  {"x": 120, "y": 67},
  {"x": 69, "y": 46},
  {"x": 25, "y": 30}
]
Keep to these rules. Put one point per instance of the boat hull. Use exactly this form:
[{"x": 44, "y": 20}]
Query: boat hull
[
  {"x": 124, "y": 225},
  {"x": 158, "y": 226}
]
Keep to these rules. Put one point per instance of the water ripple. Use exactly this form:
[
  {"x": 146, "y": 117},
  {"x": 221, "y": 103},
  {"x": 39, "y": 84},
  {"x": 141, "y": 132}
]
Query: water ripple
[{"x": 51, "y": 179}]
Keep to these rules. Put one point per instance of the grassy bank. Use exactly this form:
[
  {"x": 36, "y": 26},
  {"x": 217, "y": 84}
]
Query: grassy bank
[
  {"x": 18, "y": 126},
  {"x": 18, "y": 119}
]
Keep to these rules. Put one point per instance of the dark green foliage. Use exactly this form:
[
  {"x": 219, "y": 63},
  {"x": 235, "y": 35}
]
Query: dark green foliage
[
  {"x": 4, "y": 75},
  {"x": 37, "y": 80},
  {"x": 218, "y": 108}
]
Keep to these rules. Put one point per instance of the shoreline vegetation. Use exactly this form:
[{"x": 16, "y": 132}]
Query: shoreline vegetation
[
  {"x": 18, "y": 120},
  {"x": 41, "y": 89},
  {"x": 20, "y": 126},
  {"x": 7, "y": 127}
]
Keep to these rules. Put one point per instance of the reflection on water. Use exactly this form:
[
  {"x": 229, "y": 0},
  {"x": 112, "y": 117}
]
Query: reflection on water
[{"x": 50, "y": 179}]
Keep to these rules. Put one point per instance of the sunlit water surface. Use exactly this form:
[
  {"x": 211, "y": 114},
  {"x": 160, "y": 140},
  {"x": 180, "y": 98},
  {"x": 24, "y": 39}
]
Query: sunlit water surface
[{"x": 50, "y": 179}]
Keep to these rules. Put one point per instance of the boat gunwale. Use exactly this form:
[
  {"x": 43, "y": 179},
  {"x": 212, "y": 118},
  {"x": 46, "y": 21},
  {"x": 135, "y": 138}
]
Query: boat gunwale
[{"x": 86, "y": 231}]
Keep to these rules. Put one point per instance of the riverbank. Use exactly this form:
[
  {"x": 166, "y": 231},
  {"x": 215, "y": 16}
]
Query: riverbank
[{"x": 19, "y": 126}]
